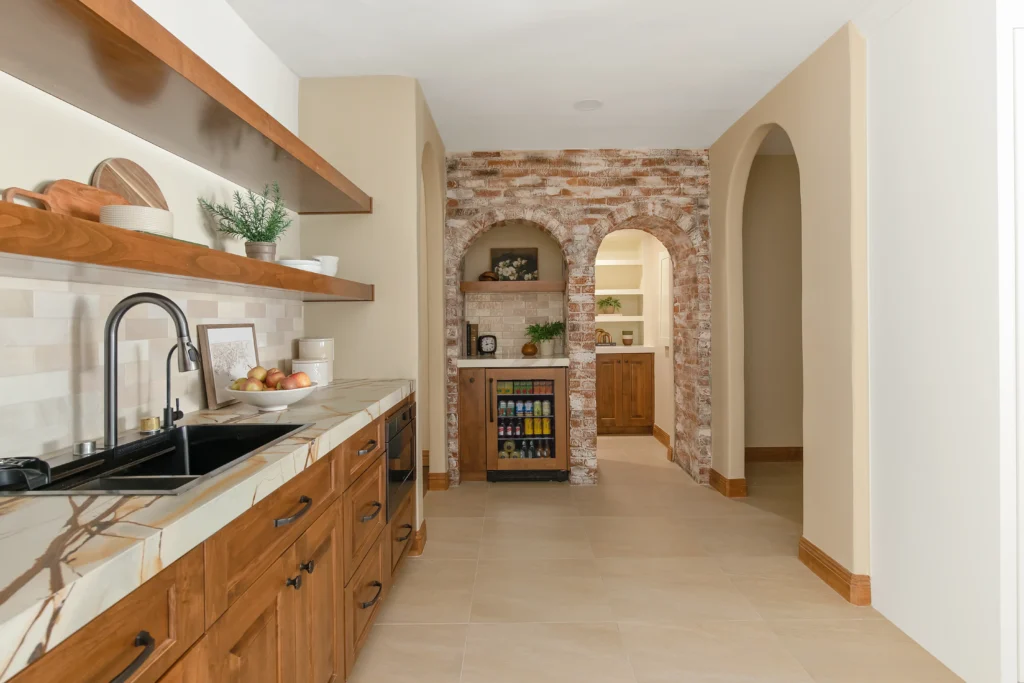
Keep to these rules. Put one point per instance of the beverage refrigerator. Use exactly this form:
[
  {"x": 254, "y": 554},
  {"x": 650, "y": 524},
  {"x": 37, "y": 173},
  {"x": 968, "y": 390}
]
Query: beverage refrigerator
[{"x": 527, "y": 424}]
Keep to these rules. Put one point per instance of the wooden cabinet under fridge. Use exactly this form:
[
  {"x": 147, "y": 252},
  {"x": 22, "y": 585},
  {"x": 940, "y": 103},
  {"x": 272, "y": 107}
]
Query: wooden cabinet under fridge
[{"x": 516, "y": 424}]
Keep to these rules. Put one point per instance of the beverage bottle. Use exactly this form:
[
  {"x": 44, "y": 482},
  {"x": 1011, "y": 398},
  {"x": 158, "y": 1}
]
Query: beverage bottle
[
  {"x": 519, "y": 408},
  {"x": 528, "y": 407},
  {"x": 528, "y": 426},
  {"x": 538, "y": 410},
  {"x": 519, "y": 429},
  {"x": 546, "y": 408},
  {"x": 501, "y": 428}
]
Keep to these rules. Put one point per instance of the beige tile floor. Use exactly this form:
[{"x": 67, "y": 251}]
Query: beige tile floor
[{"x": 645, "y": 578}]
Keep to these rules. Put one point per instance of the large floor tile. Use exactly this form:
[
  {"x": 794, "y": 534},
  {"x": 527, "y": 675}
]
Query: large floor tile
[
  {"x": 710, "y": 652},
  {"x": 856, "y": 651},
  {"x": 750, "y": 536},
  {"x": 545, "y": 653},
  {"x": 466, "y": 500},
  {"x": 431, "y": 592},
  {"x": 682, "y": 590},
  {"x": 530, "y": 502},
  {"x": 539, "y": 590},
  {"x": 640, "y": 537},
  {"x": 411, "y": 654},
  {"x": 535, "y": 537},
  {"x": 453, "y": 538},
  {"x": 783, "y": 588}
]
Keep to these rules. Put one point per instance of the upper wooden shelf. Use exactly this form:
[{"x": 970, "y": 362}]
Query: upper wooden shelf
[
  {"x": 111, "y": 59},
  {"x": 31, "y": 232},
  {"x": 515, "y": 287}
]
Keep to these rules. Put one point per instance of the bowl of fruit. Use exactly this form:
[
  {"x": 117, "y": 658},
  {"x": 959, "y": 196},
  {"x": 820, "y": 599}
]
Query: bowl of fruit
[{"x": 271, "y": 390}]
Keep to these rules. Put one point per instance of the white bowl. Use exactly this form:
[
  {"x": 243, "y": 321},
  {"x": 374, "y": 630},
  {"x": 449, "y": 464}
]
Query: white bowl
[
  {"x": 329, "y": 264},
  {"x": 141, "y": 218},
  {"x": 316, "y": 370},
  {"x": 310, "y": 266},
  {"x": 271, "y": 401}
]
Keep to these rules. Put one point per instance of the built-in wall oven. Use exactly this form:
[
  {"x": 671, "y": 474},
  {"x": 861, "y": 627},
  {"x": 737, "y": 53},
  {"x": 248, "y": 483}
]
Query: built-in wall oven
[{"x": 400, "y": 432}]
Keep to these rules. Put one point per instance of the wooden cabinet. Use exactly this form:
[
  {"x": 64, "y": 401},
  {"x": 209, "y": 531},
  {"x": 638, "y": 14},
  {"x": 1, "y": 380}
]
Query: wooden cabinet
[
  {"x": 365, "y": 514},
  {"x": 322, "y": 623},
  {"x": 139, "y": 637},
  {"x": 359, "y": 452},
  {"x": 401, "y": 532},
  {"x": 625, "y": 393},
  {"x": 472, "y": 424},
  {"x": 363, "y": 597}
]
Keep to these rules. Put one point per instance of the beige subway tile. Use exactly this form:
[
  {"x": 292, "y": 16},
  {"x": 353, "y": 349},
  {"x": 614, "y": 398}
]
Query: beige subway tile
[
  {"x": 285, "y": 324},
  {"x": 154, "y": 328},
  {"x": 15, "y": 303},
  {"x": 255, "y": 310},
  {"x": 34, "y": 332},
  {"x": 197, "y": 308},
  {"x": 231, "y": 309}
]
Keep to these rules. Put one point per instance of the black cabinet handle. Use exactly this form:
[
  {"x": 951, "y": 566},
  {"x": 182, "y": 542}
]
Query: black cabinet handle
[
  {"x": 370, "y": 603},
  {"x": 143, "y": 640},
  {"x": 368, "y": 448},
  {"x": 307, "y": 503},
  {"x": 490, "y": 405},
  {"x": 373, "y": 515},
  {"x": 295, "y": 582},
  {"x": 308, "y": 567},
  {"x": 405, "y": 538}
]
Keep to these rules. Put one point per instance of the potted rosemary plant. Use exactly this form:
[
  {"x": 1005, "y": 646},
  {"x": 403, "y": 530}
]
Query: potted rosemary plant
[
  {"x": 259, "y": 219},
  {"x": 609, "y": 304}
]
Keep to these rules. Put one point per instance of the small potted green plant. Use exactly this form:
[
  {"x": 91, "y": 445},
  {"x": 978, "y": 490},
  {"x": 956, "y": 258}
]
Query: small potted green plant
[
  {"x": 544, "y": 335},
  {"x": 609, "y": 305},
  {"x": 259, "y": 219}
]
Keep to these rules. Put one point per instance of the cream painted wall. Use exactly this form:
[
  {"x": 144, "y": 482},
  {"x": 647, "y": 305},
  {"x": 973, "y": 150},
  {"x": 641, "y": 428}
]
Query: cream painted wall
[
  {"x": 514, "y": 234},
  {"x": 941, "y": 272},
  {"x": 773, "y": 364},
  {"x": 821, "y": 107},
  {"x": 655, "y": 307}
]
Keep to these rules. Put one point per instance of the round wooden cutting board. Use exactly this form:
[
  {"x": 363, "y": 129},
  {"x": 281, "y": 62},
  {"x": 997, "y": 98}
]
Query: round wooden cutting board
[{"x": 131, "y": 181}]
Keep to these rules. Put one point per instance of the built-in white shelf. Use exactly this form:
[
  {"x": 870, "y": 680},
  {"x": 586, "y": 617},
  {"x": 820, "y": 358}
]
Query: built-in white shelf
[
  {"x": 619, "y": 292},
  {"x": 620, "y": 318},
  {"x": 618, "y": 262}
]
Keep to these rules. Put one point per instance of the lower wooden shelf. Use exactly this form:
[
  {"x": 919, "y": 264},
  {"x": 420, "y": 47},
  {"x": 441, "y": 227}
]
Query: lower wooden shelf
[{"x": 25, "y": 231}]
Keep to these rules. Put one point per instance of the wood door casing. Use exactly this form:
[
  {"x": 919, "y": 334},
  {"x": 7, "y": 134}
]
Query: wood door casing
[
  {"x": 637, "y": 372},
  {"x": 473, "y": 424},
  {"x": 609, "y": 392}
]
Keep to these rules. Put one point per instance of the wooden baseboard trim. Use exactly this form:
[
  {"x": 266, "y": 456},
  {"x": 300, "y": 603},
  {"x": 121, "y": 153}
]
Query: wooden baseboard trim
[
  {"x": 855, "y": 588},
  {"x": 625, "y": 431},
  {"x": 730, "y": 488},
  {"x": 437, "y": 481},
  {"x": 419, "y": 541},
  {"x": 774, "y": 454},
  {"x": 662, "y": 436}
]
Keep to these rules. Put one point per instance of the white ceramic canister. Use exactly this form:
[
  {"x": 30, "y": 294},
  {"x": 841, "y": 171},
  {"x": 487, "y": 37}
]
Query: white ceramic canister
[
  {"x": 318, "y": 370},
  {"x": 316, "y": 349}
]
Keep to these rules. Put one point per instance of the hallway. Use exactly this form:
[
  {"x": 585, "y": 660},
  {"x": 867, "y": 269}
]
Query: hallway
[{"x": 645, "y": 578}]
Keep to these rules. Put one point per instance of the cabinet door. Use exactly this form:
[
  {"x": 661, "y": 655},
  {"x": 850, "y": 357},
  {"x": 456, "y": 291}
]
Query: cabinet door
[
  {"x": 609, "y": 392},
  {"x": 255, "y": 640},
  {"x": 472, "y": 424},
  {"x": 637, "y": 391},
  {"x": 321, "y": 630}
]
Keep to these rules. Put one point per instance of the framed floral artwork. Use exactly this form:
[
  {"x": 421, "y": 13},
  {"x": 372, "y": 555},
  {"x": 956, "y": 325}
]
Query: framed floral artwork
[{"x": 518, "y": 263}]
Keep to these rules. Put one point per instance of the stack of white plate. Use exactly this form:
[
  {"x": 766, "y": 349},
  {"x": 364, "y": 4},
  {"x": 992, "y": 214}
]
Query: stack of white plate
[{"x": 308, "y": 265}]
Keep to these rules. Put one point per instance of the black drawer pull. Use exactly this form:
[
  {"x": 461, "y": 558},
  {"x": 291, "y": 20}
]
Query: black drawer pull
[
  {"x": 307, "y": 503},
  {"x": 373, "y": 515},
  {"x": 370, "y": 446},
  {"x": 370, "y": 603},
  {"x": 405, "y": 538},
  {"x": 295, "y": 583},
  {"x": 308, "y": 567},
  {"x": 144, "y": 640}
]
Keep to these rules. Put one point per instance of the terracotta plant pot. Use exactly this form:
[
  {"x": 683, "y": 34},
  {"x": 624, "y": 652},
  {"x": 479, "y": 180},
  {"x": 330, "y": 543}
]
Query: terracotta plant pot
[
  {"x": 261, "y": 251},
  {"x": 608, "y": 310},
  {"x": 529, "y": 349}
]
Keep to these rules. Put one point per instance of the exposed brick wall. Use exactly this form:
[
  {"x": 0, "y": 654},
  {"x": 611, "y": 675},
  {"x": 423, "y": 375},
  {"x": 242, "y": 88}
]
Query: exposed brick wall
[
  {"x": 578, "y": 197},
  {"x": 506, "y": 316}
]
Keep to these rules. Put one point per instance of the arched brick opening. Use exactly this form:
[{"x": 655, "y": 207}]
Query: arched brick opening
[{"x": 686, "y": 240}]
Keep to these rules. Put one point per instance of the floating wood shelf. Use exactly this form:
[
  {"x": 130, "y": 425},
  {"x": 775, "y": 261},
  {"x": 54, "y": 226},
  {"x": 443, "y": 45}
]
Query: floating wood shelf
[
  {"x": 31, "y": 232},
  {"x": 111, "y": 59},
  {"x": 513, "y": 287}
]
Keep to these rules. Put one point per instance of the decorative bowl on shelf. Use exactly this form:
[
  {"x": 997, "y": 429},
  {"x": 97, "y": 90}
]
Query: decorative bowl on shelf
[
  {"x": 272, "y": 401},
  {"x": 328, "y": 265},
  {"x": 308, "y": 265},
  {"x": 139, "y": 218}
]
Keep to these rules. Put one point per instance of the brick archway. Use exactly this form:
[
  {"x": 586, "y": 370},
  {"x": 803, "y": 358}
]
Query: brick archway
[{"x": 578, "y": 197}]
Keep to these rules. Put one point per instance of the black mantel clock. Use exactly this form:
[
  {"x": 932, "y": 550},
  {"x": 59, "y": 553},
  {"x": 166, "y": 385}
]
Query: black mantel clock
[{"x": 487, "y": 344}]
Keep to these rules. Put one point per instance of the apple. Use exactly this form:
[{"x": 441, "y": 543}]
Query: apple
[
  {"x": 253, "y": 385},
  {"x": 273, "y": 377},
  {"x": 258, "y": 373},
  {"x": 237, "y": 384},
  {"x": 302, "y": 379},
  {"x": 269, "y": 387},
  {"x": 288, "y": 383}
]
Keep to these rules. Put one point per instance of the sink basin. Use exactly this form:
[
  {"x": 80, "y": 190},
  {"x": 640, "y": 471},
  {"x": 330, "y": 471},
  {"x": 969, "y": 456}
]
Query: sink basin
[{"x": 167, "y": 463}]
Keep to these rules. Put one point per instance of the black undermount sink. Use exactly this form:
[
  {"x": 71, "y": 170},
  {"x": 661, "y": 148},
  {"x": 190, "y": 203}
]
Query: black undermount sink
[{"x": 166, "y": 463}]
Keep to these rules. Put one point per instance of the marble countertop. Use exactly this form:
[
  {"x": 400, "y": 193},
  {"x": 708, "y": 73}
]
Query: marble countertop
[
  {"x": 516, "y": 360},
  {"x": 66, "y": 559},
  {"x": 624, "y": 349}
]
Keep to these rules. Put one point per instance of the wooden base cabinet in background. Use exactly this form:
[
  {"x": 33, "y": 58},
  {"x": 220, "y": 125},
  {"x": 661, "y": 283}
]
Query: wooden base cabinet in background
[
  {"x": 299, "y": 617},
  {"x": 625, "y": 393}
]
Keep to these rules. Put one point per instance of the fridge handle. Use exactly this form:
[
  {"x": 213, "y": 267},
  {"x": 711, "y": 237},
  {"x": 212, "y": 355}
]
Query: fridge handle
[{"x": 490, "y": 405}]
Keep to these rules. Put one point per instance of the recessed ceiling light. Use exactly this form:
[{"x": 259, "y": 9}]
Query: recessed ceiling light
[{"x": 588, "y": 105}]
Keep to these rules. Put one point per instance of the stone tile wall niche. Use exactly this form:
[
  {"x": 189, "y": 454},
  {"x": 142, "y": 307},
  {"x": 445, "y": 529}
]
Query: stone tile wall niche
[
  {"x": 507, "y": 316},
  {"x": 578, "y": 197}
]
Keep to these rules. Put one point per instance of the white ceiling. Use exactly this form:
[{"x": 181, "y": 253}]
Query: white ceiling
[{"x": 503, "y": 74}]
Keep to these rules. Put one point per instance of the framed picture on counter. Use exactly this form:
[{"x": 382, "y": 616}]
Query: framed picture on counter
[{"x": 227, "y": 352}]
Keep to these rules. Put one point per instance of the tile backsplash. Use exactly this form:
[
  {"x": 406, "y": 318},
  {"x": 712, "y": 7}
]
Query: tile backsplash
[
  {"x": 51, "y": 356},
  {"x": 507, "y": 315}
]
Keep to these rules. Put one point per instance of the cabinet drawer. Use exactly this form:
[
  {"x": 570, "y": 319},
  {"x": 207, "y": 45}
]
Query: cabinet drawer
[
  {"x": 237, "y": 554},
  {"x": 401, "y": 531},
  {"x": 359, "y": 452},
  {"x": 145, "y": 632},
  {"x": 365, "y": 512},
  {"x": 363, "y": 597}
]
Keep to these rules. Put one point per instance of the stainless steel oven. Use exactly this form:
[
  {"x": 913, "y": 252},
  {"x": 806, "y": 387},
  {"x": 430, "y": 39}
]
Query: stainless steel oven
[{"x": 400, "y": 432}]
